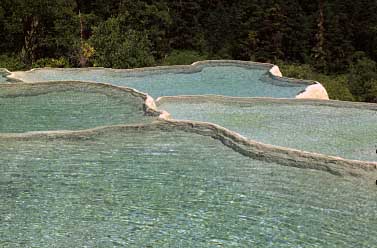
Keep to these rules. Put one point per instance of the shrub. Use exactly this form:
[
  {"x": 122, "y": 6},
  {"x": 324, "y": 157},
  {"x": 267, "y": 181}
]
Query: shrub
[
  {"x": 183, "y": 57},
  {"x": 362, "y": 79},
  {"x": 51, "y": 62},
  {"x": 296, "y": 71},
  {"x": 11, "y": 62},
  {"x": 336, "y": 85}
]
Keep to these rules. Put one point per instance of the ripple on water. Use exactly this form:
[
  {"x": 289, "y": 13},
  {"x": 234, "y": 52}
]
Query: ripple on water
[
  {"x": 346, "y": 132},
  {"x": 229, "y": 80},
  {"x": 164, "y": 189},
  {"x": 67, "y": 108}
]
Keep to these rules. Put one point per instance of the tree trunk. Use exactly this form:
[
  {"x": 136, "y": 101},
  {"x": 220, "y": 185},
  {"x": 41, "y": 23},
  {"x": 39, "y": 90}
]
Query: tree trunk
[
  {"x": 319, "y": 50},
  {"x": 30, "y": 39},
  {"x": 83, "y": 60}
]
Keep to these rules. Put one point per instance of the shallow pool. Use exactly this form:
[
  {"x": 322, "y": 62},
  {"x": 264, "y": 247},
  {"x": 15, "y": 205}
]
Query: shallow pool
[
  {"x": 154, "y": 188},
  {"x": 348, "y": 132},
  {"x": 229, "y": 80},
  {"x": 67, "y": 106}
]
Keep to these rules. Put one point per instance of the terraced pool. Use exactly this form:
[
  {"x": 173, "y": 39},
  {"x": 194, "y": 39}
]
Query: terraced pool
[
  {"x": 127, "y": 176},
  {"x": 347, "y": 130},
  {"x": 217, "y": 77},
  {"x": 150, "y": 187},
  {"x": 68, "y": 106}
]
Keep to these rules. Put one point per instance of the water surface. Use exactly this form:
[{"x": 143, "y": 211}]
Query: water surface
[
  {"x": 346, "y": 132},
  {"x": 220, "y": 80},
  {"x": 172, "y": 189},
  {"x": 73, "y": 109}
]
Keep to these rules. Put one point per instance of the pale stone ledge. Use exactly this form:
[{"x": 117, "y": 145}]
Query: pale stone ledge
[{"x": 315, "y": 91}]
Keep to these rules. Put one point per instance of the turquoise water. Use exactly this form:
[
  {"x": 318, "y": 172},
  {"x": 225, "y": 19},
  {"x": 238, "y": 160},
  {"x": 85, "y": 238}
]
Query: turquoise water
[
  {"x": 69, "y": 110},
  {"x": 162, "y": 189},
  {"x": 3, "y": 78},
  {"x": 346, "y": 132},
  {"x": 220, "y": 80}
]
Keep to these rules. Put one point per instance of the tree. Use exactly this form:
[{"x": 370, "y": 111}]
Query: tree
[
  {"x": 186, "y": 31},
  {"x": 118, "y": 47},
  {"x": 154, "y": 19},
  {"x": 271, "y": 28},
  {"x": 40, "y": 28},
  {"x": 319, "y": 53},
  {"x": 339, "y": 48},
  {"x": 298, "y": 29}
]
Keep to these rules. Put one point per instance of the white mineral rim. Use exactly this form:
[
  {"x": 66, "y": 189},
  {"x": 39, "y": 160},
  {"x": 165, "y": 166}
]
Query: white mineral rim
[
  {"x": 314, "y": 91},
  {"x": 235, "y": 141}
]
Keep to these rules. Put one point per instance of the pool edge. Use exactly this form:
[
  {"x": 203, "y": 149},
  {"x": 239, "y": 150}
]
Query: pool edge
[{"x": 273, "y": 71}]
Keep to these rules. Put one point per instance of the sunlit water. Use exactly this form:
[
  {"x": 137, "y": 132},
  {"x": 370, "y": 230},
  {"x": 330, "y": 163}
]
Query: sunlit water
[
  {"x": 346, "y": 132},
  {"x": 69, "y": 110},
  {"x": 161, "y": 189},
  {"x": 220, "y": 80}
]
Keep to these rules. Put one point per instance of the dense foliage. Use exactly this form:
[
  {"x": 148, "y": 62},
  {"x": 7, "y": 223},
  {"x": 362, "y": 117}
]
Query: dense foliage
[{"x": 335, "y": 41}]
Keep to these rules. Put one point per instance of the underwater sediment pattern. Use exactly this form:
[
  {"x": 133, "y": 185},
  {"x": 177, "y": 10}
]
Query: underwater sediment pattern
[
  {"x": 153, "y": 187},
  {"x": 67, "y": 106},
  {"x": 325, "y": 127}
]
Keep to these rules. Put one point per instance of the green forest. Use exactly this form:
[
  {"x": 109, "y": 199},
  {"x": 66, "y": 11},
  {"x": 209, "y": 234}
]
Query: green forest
[{"x": 331, "y": 41}]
